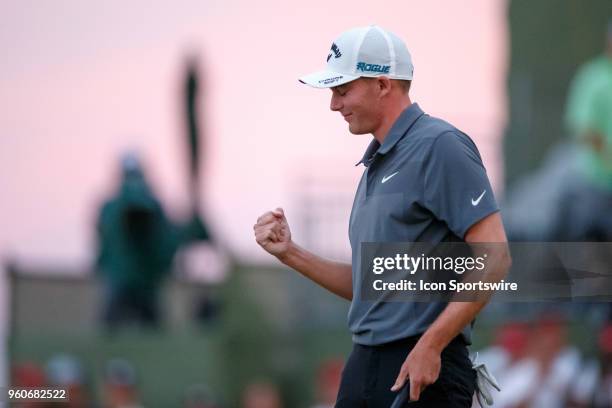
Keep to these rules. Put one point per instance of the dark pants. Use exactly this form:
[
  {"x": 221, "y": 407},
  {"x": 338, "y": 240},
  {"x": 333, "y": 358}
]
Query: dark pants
[
  {"x": 370, "y": 372},
  {"x": 125, "y": 307}
]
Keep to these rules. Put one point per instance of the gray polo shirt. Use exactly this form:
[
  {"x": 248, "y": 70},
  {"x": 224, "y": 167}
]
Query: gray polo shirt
[{"x": 426, "y": 183}]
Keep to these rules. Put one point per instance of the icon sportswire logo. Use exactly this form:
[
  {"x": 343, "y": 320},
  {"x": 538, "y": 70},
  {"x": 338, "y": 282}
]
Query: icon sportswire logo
[
  {"x": 476, "y": 201},
  {"x": 386, "y": 178}
]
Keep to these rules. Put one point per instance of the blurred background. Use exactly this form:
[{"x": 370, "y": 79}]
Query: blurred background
[{"x": 140, "y": 141}]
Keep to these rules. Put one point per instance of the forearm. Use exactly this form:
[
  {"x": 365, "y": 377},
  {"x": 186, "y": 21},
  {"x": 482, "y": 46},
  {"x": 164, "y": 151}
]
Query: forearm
[
  {"x": 333, "y": 276},
  {"x": 449, "y": 324},
  {"x": 458, "y": 315}
]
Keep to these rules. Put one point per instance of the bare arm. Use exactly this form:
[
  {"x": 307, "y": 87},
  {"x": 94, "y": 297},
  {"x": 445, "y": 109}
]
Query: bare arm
[
  {"x": 333, "y": 276},
  {"x": 457, "y": 315},
  {"x": 272, "y": 233},
  {"x": 422, "y": 365}
]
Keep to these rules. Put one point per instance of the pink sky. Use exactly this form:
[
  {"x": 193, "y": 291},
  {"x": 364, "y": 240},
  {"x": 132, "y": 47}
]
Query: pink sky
[{"x": 81, "y": 83}]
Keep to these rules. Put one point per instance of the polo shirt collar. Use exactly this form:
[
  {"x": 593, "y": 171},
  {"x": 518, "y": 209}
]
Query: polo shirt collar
[{"x": 400, "y": 127}]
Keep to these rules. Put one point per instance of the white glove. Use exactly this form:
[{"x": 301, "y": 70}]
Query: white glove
[{"x": 484, "y": 380}]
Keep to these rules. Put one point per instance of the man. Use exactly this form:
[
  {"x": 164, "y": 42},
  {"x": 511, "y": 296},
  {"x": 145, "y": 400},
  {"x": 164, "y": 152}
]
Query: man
[
  {"x": 587, "y": 204},
  {"x": 136, "y": 245},
  {"x": 424, "y": 181}
]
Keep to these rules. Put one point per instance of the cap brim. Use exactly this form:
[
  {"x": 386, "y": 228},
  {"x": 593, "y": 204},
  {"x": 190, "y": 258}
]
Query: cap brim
[{"x": 326, "y": 79}]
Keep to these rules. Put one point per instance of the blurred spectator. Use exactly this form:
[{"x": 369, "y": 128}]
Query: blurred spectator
[
  {"x": 586, "y": 213},
  {"x": 531, "y": 206},
  {"x": 602, "y": 396},
  {"x": 509, "y": 346},
  {"x": 120, "y": 385},
  {"x": 593, "y": 387},
  {"x": 199, "y": 396},
  {"x": 328, "y": 382},
  {"x": 28, "y": 375},
  {"x": 65, "y": 371},
  {"x": 137, "y": 244},
  {"x": 261, "y": 395},
  {"x": 544, "y": 376}
]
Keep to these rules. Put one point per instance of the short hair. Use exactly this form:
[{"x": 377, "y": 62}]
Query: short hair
[{"x": 404, "y": 84}]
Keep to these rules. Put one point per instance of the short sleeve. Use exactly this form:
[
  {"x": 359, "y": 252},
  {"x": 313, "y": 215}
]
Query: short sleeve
[
  {"x": 456, "y": 187},
  {"x": 580, "y": 114}
]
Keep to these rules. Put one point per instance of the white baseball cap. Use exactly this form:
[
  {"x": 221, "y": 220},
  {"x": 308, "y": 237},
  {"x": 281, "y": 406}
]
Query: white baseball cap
[{"x": 363, "y": 52}]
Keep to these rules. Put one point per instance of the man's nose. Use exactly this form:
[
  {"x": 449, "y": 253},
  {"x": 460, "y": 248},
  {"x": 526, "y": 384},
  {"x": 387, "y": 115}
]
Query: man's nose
[{"x": 335, "y": 103}]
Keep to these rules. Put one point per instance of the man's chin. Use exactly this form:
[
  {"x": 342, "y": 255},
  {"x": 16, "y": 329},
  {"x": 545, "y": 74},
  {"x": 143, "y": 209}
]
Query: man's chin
[{"x": 357, "y": 131}]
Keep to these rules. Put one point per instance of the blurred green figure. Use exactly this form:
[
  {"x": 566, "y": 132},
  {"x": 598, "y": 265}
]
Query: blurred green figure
[
  {"x": 589, "y": 118},
  {"x": 589, "y": 115},
  {"x": 136, "y": 247}
]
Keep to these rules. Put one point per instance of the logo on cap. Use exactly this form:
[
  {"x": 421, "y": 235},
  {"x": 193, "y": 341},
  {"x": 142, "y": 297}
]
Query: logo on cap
[
  {"x": 328, "y": 81},
  {"x": 383, "y": 69},
  {"x": 335, "y": 52}
]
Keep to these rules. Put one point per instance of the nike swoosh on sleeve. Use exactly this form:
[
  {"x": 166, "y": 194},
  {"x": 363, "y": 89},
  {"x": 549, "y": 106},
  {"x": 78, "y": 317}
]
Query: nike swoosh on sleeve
[{"x": 476, "y": 201}]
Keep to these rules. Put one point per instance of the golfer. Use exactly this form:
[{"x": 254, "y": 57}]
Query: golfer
[{"x": 423, "y": 181}]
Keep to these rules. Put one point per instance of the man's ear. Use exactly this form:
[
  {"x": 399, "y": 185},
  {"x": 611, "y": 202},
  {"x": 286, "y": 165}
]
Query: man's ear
[{"x": 384, "y": 85}]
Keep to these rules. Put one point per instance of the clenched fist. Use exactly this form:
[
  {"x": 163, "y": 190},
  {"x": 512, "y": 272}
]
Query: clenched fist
[{"x": 272, "y": 232}]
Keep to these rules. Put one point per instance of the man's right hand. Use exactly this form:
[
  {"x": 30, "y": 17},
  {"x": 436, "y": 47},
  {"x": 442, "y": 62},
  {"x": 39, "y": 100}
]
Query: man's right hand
[{"x": 272, "y": 232}]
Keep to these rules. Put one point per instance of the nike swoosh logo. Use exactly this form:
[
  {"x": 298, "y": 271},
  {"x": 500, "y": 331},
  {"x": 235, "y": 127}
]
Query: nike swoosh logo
[
  {"x": 386, "y": 178},
  {"x": 476, "y": 201}
]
